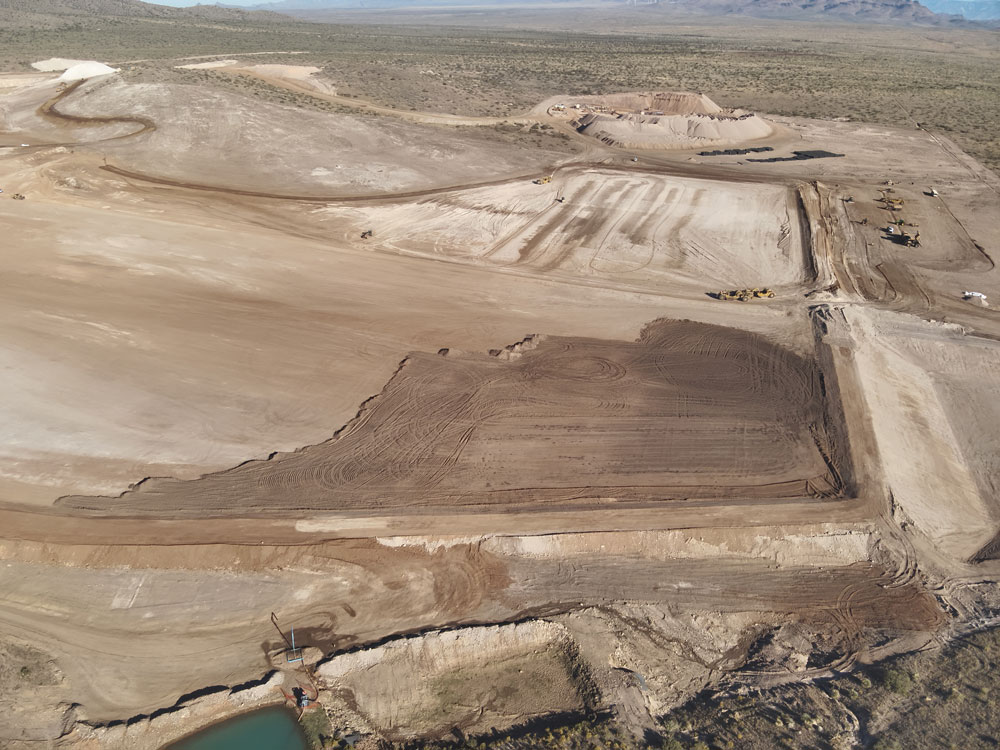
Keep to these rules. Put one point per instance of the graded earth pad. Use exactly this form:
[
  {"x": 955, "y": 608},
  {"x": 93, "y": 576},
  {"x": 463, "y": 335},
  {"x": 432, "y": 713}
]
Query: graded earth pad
[{"x": 689, "y": 410}]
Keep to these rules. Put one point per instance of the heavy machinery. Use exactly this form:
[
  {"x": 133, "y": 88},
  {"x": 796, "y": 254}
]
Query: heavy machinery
[
  {"x": 911, "y": 240},
  {"x": 744, "y": 295},
  {"x": 543, "y": 180},
  {"x": 17, "y": 197},
  {"x": 367, "y": 233}
]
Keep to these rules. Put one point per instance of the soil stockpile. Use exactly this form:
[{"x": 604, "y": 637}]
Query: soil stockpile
[
  {"x": 672, "y": 131},
  {"x": 688, "y": 410},
  {"x": 667, "y": 120}
]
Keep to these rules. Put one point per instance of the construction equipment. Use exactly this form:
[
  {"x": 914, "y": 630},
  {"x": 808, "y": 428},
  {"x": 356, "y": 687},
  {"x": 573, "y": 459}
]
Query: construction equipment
[
  {"x": 911, "y": 240},
  {"x": 543, "y": 180},
  {"x": 367, "y": 233},
  {"x": 744, "y": 295},
  {"x": 17, "y": 197}
]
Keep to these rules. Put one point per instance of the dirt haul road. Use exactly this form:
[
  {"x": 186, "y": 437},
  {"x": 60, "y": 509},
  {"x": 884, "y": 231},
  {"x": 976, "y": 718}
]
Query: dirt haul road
[{"x": 759, "y": 482}]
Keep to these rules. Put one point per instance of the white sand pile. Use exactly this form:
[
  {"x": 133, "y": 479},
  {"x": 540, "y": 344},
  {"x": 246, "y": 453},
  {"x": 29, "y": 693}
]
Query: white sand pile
[
  {"x": 56, "y": 63},
  {"x": 207, "y": 65},
  {"x": 668, "y": 120},
  {"x": 87, "y": 70}
]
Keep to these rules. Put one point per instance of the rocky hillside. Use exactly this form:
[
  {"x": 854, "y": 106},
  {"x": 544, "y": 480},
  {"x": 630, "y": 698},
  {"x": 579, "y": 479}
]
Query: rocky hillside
[
  {"x": 908, "y": 12},
  {"x": 897, "y": 11}
]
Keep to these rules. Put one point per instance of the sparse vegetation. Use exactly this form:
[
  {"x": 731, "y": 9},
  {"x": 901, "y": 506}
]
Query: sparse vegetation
[
  {"x": 916, "y": 701},
  {"x": 948, "y": 81},
  {"x": 319, "y": 733}
]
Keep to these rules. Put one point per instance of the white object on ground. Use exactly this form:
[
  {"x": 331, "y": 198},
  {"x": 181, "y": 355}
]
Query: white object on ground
[
  {"x": 207, "y": 65},
  {"x": 56, "y": 63},
  {"x": 87, "y": 70}
]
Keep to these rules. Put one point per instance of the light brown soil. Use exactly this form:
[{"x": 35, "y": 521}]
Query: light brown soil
[
  {"x": 769, "y": 469},
  {"x": 688, "y": 411}
]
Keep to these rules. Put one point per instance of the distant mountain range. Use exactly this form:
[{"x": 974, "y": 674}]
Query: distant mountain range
[
  {"x": 977, "y": 10},
  {"x": 131, "y": 9},
  {"x": 869, "y": 11}
]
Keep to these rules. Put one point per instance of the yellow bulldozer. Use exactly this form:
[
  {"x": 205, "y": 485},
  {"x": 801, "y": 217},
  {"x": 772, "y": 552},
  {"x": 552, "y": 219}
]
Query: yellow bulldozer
[{"x": 543, "y": 180}]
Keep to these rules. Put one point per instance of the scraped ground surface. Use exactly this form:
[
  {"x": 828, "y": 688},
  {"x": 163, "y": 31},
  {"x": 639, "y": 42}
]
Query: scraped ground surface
[
  {"x": 690, "y": 410},
  {"x": 644, "y": 230}
]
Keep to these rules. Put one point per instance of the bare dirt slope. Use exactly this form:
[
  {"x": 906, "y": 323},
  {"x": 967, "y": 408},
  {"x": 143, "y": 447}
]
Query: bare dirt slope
[
  {"x": 687, "y": 411},
  {"x": 646, "y": 231}
]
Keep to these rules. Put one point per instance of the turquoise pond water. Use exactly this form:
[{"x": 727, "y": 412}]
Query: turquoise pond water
[{"x": 267, "y": 729}]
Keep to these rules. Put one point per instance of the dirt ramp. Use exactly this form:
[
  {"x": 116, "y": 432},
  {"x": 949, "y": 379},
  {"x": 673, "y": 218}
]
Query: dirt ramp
[
  {"x": 688, "y": 411},
  {"x": 472, "y": 678}
]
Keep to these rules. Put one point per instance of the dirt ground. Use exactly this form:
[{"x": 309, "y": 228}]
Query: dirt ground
[
  {"x": 500, "y": 408},
  {"x": 697, "y": 411}
]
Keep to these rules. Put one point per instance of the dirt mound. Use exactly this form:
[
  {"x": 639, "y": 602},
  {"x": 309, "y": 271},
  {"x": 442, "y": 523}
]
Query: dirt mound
[
  {"x": 669, "y": 119},
  {"x": 689, "y": 410},
  {"x": 640, "y": 131}
]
